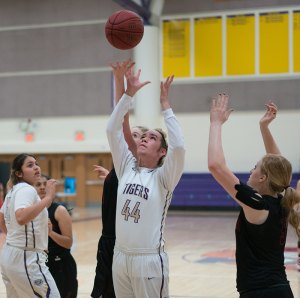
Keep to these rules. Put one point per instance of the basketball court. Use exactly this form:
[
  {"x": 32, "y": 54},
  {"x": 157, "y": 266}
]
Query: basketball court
[
  {"x": 200, "y": 247},
  {"x": 55, "y": 60}
]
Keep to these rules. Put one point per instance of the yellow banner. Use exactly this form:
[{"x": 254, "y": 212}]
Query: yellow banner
[
  {"x": 296, "y": 31},
  {"x": 240, "y": 44},
  {"x": 208, "y": 46},
  {"x": 176, "y": 48},
  {"x": 274, "y": 42}
]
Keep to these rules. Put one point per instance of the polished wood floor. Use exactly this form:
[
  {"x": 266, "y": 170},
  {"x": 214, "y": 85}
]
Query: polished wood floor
[{"x": 200, "y": 247}]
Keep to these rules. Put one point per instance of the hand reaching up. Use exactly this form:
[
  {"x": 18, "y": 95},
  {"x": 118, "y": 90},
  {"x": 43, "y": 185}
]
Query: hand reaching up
[
  {"x": 119, "y": 69},
  {"x": 51, "y": 188},
  {"x": 102, "y": 172},
  {"x": 133, "y": 81},
  {"x": 219, "y": 112},
  {"x": 270, "y": 114},
  {"x": 164, "y": 92}
]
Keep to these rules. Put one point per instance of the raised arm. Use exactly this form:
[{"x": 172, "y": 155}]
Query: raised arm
[
  {"x": 114, "y": 129},
  {"x": 173, "y": 165},
  {"x": 268, "y": 117},
  {"x": 25, "y": 215},
  {"x": 164, "y": 93},
  {"x": 251, "y": 202},
  {"x": 119, "y": 70},
  {"x": 219, "y": 114},
  {"x": 133, "y": 82}
]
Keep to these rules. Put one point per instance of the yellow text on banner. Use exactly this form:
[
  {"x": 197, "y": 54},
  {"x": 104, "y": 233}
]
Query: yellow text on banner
[
  {"x": 208, "y": 46},
  {"x": 240, "y": 43},
  {"x": 296, "y": 31},
  {"x": 274, "y": 42},
  {"x": 176, "y": 48}
]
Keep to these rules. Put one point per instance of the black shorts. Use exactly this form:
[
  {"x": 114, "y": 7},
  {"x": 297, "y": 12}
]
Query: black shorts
[
  {"x": 64, "y": 271},
  {"x": 103, "y": 283},
  {"x": 283, "y": 291}
]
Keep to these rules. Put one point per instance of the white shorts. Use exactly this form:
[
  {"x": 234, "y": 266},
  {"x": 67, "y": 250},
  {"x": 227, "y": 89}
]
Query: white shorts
[
  {"x": 140, "y": 275},
  {"x": 25, "y": 274}
]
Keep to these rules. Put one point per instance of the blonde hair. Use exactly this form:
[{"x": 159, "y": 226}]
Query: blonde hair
[{"x": 279, "y": 175}]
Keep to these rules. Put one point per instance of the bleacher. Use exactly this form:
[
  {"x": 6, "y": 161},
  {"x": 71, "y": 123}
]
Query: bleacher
[{"x": 201, "y": 191}]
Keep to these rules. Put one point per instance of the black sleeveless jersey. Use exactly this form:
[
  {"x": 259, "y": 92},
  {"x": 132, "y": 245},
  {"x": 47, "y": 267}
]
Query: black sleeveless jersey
[
  {"x": 109, "y": 203},
  {"x": 53, "y": 248},
  {"x": 260, "y": 248}
]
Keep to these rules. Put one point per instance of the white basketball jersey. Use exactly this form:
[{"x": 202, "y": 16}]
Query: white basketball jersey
[
  {"x": 35, "y": 233},
  {"x": 144, "y": 195}
]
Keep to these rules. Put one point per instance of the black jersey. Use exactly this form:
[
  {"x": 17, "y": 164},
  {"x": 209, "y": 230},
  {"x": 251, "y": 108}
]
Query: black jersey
[
  {"x": 53, "y": 248},
  {"x": 260, "y": 248},
  {"x": 103, "y": 282},
  {"x": 109, "y": 201}
]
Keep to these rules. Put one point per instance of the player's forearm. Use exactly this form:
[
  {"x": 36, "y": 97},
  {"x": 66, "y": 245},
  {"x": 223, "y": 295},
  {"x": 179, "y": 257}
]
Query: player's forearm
[
  {"x": 114, "y": 128},
  {"x": 115, "y": 120},
  {"x": 119, "y": 89},
  {"x": 2, "y": 223},
  {"x": 115, "y": 136},
  {"x": 25, "y": 215},
  {"x": 175, "y": 135},
  {"x": 62, "y": 240},
  {"x": 216, "y": 158},
  {"x": 128, "y": 136},
  {"x": 174, "y": 163},
  {"x": 269, "y": 142}
]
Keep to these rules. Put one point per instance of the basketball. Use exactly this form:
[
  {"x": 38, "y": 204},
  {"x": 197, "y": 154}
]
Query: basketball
[{"x": 124, "y": 29}]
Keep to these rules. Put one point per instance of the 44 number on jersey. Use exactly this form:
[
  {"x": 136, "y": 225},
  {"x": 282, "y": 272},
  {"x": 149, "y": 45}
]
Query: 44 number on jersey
[{"x": 135, "y": 212}]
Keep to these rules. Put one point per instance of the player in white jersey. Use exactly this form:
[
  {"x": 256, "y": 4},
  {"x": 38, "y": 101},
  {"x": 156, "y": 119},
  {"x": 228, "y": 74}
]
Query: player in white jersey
[
  {"x": 103, "y": 282},
  {"x": 24, "y": 218},
  {"x": 140, "y": 264}
]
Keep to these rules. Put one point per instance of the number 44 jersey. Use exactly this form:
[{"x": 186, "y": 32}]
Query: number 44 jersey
[{"x": 144, "y": 194}]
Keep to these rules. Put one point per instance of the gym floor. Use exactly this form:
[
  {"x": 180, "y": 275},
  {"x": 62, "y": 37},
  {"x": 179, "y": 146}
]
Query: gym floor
[{"x": 201, "y": 253}]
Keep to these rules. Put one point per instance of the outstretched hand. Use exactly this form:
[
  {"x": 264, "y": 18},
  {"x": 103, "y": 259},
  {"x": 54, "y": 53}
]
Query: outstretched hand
[
  {"x": 51, "y": 188},
  {"x": 119, "y": 68},
  {"x": 270, "y": 114},
  {"x": 164, "y": 92},
  {"x": 133, "y": 81},
  {"x": 219, "y": 111},
  {"x": 102, "y": 172}
]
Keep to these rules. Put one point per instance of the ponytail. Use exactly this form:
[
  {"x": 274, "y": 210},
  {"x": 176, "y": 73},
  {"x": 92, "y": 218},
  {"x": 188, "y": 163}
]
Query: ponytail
[{"x": 291, "y": 199}]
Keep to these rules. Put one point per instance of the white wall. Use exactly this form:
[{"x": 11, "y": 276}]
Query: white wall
[{"x": 242, "y": 143}]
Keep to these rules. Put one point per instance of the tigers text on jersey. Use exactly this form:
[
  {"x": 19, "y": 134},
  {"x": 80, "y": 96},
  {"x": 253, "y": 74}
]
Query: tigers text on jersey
[{"x": 144, "y": 195}]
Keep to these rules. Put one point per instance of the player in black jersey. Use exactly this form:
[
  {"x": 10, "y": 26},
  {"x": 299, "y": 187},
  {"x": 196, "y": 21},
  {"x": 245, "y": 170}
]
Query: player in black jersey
[
  {"x": 103, "y": 283},
  {"x": 60, "y": 261},
  {"x": 266, "y": 201}
]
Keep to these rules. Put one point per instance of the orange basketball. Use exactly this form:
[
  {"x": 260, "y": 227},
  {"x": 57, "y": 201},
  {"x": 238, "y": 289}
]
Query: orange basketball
[{"x": 124, "y": 29}]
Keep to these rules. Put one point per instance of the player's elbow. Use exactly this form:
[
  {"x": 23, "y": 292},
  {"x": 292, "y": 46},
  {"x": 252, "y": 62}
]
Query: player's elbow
[
  {"x": 214, "y": 166},
  {"x": 69, "y": 244},
  {"x": 21, "y": 221},
  {"x": 21, "y": 217}
]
